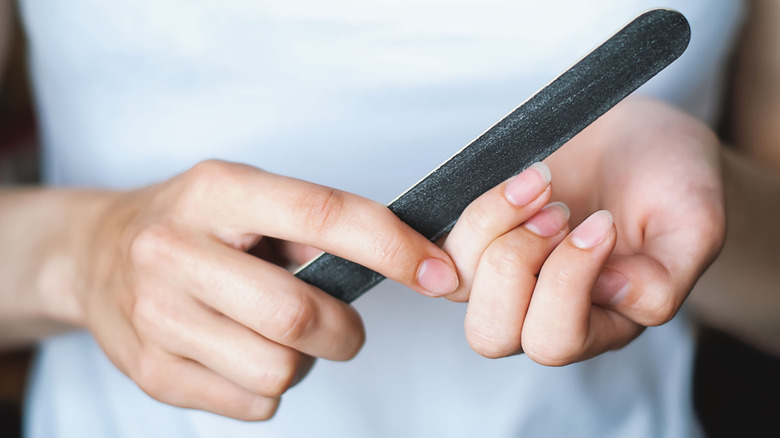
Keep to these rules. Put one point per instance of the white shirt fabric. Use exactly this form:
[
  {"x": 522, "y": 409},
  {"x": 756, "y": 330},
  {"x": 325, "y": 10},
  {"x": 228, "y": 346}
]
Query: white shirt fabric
[{"x": 366, "y": 97}]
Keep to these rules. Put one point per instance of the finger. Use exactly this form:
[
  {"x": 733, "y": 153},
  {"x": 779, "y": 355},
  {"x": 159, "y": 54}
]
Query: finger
[
  {"x": 505, "y": 279},
  {"x": 187, "y": 384},
  {"x": 272, "y": 302},
  {"x": 244, "y": 200},
  {"x": 496, "y": 212},
  {"x": 650, "y": 285},
  {"x": 227, "y": 348},
  {"x": 259, "y": 295},
  {"x": 562, "y": 326},
  {"x": 643, "y": 288}
]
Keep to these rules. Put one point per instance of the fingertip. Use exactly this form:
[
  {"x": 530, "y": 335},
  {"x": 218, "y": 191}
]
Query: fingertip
[
  {"x": 437, "y": 277},
  {"x": 544, "y": 171},
  {"x": 593, "y": 231},
  {"x": 550, "y": 220},
  {"x": 523, "y": 188}
]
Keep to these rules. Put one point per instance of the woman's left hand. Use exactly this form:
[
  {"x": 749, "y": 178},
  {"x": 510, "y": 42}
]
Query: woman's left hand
[{"x": 651, "y": 174}]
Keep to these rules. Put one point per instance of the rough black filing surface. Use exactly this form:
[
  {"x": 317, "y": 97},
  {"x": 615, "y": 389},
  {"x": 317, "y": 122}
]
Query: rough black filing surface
[{"x": 530, "y": 133}]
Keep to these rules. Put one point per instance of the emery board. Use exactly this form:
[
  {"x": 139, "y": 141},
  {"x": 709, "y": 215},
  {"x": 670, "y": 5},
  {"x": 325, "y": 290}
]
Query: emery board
[{"x": 528, "y": 134}]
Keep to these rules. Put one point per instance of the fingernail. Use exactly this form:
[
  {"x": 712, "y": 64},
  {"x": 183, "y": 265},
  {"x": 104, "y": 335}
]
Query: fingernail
[
  {"x": 526, "y": 186},
  {"x": 610, "y": 288},
  {"x": 550, "y": 220},
  {"x": 593, "y": 230},
  {"x": 437, "y": 277}
]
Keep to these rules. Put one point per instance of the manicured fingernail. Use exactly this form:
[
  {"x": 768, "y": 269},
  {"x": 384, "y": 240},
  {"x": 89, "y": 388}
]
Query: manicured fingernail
[
  {"x": 593, "y": 230},
  {"x": 550, "y": 220},
  {"x": 610, "y": 288},
  {"x": 525, "y": 187},
  {"x": 437, "y": 277}
]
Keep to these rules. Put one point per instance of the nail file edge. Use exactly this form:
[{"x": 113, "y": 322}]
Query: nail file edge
[{"x": 528, "y": 134}]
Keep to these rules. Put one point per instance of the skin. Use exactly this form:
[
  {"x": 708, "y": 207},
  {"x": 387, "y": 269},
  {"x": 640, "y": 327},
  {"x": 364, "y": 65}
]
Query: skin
[
  {"x": 739, "y": 295},
  {"x": 756, "y": 90},
  {"x": 668, "y": 226},
  {"x": 162, "y": 278}
]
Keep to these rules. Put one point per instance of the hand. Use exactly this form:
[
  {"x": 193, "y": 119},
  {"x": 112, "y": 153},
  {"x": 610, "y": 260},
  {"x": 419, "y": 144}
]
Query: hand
[
  {"x": 563, "y": 297},
  {"x": 178, "y": 305}
]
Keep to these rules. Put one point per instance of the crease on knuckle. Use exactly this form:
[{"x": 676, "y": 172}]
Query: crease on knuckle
[
  {"x": 479, "y": 219},
  {"x": 275, "y": 381},
  {"x": 491, "y": 342},
  {"x": 505, "y": 258},
  {"x": 553, "y": 350},
  {"x": 389, "y": 246},
  {"x": 296, "y": 320},
  {"x": 390, "y": 250},
  {"x": 321, "y": 209}
]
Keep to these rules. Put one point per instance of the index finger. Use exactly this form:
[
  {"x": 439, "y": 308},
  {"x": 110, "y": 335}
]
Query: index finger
[
  {"x": 492, "y": 215},
  {"x": 249, "y": 201}
]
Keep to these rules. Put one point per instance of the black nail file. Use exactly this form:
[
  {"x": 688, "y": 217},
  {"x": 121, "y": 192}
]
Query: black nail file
[{"x": 530, "y": 133}]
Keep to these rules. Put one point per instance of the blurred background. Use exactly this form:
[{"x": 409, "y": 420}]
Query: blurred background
[
  {"x": 736, "y": 387},
  {"x": 18, "y": 165}
]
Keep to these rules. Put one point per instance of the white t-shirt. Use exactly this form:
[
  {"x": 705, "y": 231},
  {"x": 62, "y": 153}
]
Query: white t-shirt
[{"x": 367, "y": 97}]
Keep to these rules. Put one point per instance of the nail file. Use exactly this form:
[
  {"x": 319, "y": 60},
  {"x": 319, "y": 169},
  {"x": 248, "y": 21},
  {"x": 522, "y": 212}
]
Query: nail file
[{"x": 528, "y": 134}]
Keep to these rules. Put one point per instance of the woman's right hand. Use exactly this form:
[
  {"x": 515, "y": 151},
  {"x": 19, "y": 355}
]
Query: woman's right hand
[{"x": 168, "y": 290}]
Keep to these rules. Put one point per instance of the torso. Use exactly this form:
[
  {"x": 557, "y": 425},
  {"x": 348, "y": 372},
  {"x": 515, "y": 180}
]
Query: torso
[{"x": 367, "y": 97}]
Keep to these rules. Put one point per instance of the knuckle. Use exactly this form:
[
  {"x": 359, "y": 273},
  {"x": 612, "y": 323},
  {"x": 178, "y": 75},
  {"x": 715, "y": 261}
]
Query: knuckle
[
  {"x": 275, "y": 381},
  {"x": 321, "y": 209},
  {"x": 351, "y": 336},
  {"x": 564, "y": 279},
  {"x": 712, "y": 232},
  {"x": 261, "y": 409},
  {"x": 394, "y": 251},
  {"x": 390, "y": 250},
  {"x": 149, "y": 375},
  {"x": 492, "y": 345},
  {"x": 659, "y": 308},
  {"x": 554, "y": 351},
  {"x": 358, "y": 337},
  {"x": 479, "y": 218},
  {"x": 151, "y": 245},
  {"x": 209, "y": 173},
  {"x": 145, "y": 311},
  {"x": 505, "y": 257},
  {"x": 354, "y": 347},
  {"x": 206, "y": 178},
  {"x": 294, "y": 321},
  {"x": 152, "y": 315}
]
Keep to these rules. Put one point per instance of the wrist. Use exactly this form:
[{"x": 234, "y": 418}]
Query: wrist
[{"x": 64, "y": 252}]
